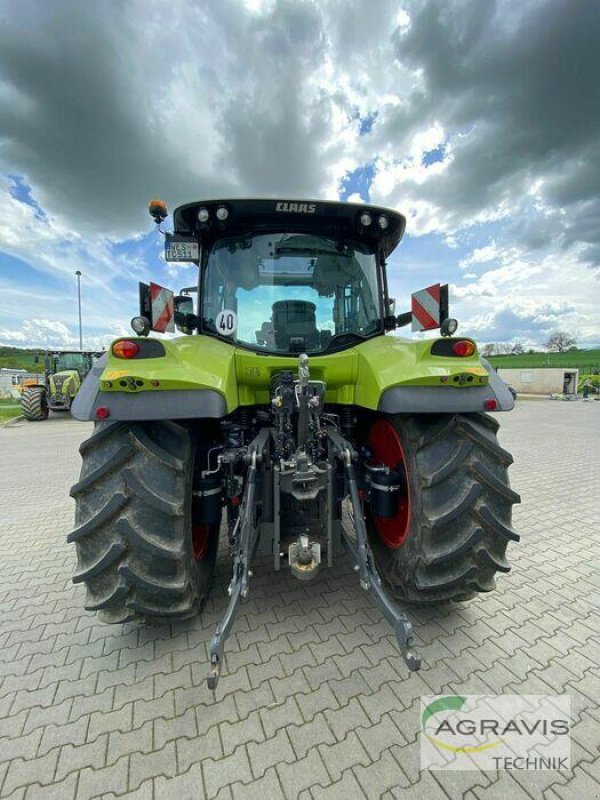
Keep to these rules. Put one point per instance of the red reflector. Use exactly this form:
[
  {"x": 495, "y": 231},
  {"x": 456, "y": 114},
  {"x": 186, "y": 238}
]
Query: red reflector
[
  {"x": 102, "y": 412},
  {"x": 491, "y": 405},
  {"x": 463, "y": 348},
  {"x": 235, "y": 500},
  {"x": 125, "y": 349}
]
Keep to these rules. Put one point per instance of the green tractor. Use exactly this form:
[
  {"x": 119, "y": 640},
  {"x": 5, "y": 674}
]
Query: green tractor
[
  {"x": 290, "y": 405},
  {"x": 64, "y": 372}
]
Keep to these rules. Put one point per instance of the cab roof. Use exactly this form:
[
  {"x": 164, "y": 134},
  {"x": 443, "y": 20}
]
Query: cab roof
[{"x": 335, "y": 219}]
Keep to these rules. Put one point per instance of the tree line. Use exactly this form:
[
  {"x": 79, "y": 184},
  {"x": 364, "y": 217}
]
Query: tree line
[{"x": 558, "y": 342}]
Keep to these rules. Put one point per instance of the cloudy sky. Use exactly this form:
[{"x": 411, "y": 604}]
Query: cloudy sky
[{"x": 479, "y": 120}]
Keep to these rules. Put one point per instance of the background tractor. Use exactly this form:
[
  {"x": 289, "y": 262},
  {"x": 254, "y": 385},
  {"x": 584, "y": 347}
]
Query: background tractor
[
  {"x": 64, "y": 371},
  {"x": 290, "y": 405}
]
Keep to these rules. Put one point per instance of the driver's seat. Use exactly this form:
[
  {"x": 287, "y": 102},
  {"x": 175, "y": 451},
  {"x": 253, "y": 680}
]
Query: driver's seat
[{"x": 295, "y": 326}]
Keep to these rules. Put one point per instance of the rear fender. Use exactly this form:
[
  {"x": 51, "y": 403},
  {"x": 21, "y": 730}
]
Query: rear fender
[
  {"x": 401, "y": 376},
  {"x": 144, "y": 405}
]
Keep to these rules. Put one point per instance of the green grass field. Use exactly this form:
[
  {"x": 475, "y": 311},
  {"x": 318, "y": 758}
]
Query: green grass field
[
  {"x": 583, "y": 360},
  {"x": 9, "y": 409}
]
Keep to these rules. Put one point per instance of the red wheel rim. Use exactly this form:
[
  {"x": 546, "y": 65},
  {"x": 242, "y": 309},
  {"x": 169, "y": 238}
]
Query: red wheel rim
[
  {"x": 385, "y": 446},
  {"x": 200, "y": 538}
]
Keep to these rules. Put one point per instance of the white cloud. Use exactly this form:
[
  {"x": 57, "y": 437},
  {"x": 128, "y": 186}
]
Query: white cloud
[
  {"x": 53, "y": 334},
  {"x": 481, "y": 255},
  {"x": 356, "y": 197},
  {"x": 527, "y": 300}
]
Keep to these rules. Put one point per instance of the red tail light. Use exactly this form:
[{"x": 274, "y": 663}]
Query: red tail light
[
  {"x": 463, "y": 348},
  {"x": 125, "y": 349},
  {"x": 102, "y": 412},
  {"x": 491, "y": 405}
]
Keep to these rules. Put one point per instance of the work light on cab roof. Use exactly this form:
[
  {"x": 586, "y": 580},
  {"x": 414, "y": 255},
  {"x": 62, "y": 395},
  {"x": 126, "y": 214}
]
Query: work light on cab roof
[{"x": 287, "y": 397}]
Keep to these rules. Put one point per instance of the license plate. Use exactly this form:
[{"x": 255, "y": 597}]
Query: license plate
[{"x": 181, "y": 251}]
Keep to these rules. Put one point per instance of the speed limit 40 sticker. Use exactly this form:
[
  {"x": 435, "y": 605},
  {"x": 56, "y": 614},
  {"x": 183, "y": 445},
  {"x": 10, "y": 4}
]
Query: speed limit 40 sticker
[{"x": 226, "y": 322}]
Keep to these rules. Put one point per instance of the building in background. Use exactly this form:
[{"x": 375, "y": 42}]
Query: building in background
[
  {"x": 12, "y": 381},
  {"x": 542, "y": 381}
]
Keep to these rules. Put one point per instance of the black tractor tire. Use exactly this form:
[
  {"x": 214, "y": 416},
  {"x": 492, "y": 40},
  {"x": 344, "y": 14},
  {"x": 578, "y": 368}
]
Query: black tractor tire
[
  {"x": 458, "y": 510},
  {"x": 134, "y": 524},
  {"x": 34, "y": 403}
]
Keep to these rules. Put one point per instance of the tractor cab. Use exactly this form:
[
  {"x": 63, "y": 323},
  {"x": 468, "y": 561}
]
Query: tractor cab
[
  {"x": 69, "y": 361},
  {"x": 286, "y": 278},
  {"x": 287, "y": 292}
]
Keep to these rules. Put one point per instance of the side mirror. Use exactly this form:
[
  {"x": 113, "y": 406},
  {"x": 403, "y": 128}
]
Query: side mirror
[{"x": 185, "y": 319}]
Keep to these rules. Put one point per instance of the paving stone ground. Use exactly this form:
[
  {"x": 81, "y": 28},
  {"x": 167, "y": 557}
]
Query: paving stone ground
[{"x": 316, "y": 701}]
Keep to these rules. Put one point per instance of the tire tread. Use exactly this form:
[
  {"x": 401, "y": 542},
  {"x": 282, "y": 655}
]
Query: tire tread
[
  {"x": 133, "y": 520},
  {"x": 462, "y": 504},
  {"x": 34, "y": 404}
]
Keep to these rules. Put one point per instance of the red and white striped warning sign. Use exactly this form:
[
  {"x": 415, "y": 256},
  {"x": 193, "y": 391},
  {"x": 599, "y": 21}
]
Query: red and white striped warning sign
[
  {"x": 162, "y": 309},
  {"x": 425, "y": 308}
]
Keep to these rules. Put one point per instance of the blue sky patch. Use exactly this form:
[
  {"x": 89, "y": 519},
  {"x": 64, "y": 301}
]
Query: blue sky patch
[
  {"x": 21, "y": 191},
  {"x": 366, "y": 123},
  {"x": 358, "y": 182},
  {"x": 433, "y": 156}
]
